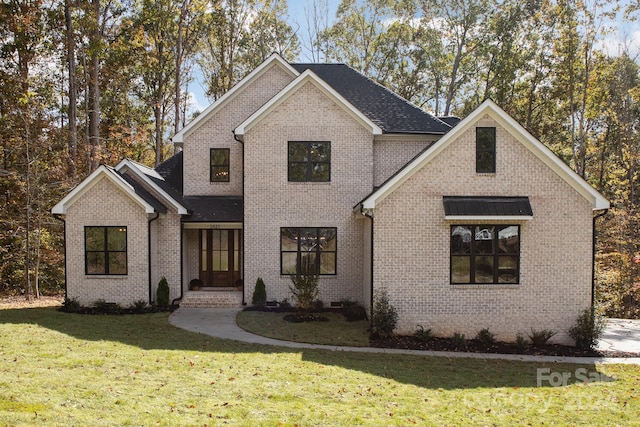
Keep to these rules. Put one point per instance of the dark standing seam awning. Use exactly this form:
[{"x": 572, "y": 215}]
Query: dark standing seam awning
[{"x": 468, "y": 207}]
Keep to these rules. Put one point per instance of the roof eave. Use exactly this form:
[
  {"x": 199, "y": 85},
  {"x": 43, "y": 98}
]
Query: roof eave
[
  {"x": 305, "y": 77},
  {"x": 536, "y": 147},
  {"x": 102, "y": 171},
  {"x": 179, "y": 137},
  {"x": 133, "y": 167}
]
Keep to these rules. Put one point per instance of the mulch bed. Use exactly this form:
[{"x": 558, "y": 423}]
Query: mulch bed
[{"x": 476, "y": 346}]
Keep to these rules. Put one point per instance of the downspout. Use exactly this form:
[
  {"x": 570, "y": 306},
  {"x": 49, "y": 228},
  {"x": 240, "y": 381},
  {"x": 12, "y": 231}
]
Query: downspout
[
  {"x": 593, "y": 259},
  {"x": 64, "y": 251},
  {"x": 181, "y": 265},
  {"x": 370, "y": 216},
  {"x": 149, "y": 253},
  {"x": 243, "y": 175}
]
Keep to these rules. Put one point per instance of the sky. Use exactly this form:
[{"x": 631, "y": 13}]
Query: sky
[{"x": 626, "y": 34}]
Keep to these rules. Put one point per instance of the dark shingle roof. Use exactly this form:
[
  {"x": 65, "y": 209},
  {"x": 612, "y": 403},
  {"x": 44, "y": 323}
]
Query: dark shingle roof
[
  {"x": 214, "y": 208},
  {"x": 171, "y": 171},
  {"x": 487, "y": 206},
  {"x": 389, "y": 111},
  {"x": 146, "y": 196}
]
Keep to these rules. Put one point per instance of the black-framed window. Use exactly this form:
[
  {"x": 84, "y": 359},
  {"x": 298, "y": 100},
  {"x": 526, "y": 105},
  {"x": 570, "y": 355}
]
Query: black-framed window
[
  {"x": 308, "y": 249},
  {"x": 219, "y": 165},
  {"x": 483, "y": 254},
  {"x": 105, "y": 250},
  {"x": 485, "y": 150},
  {"x": 309, "y": 161}
]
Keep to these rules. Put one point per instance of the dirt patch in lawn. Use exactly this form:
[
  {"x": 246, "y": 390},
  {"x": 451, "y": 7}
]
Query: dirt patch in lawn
[{"x": 11, "y": 302}]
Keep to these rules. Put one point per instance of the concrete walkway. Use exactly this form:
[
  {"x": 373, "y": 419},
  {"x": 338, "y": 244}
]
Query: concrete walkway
[{"x": 620, "y": 335}]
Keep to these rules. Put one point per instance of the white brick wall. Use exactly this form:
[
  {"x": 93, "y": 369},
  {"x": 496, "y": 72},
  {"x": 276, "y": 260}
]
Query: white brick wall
[
  {"x": 411, "y": 252},
  {"x": 272, "y": 202},
  {"x": 107, "y": 205},
  {"x": 392, "y": 153},
  {"x": 216, "y": 132}
]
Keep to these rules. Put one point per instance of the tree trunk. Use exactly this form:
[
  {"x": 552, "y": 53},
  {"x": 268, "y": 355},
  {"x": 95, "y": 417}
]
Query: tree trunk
[
  {"x": 94, "y": 91},
  {"x": 73, "y": 109}
]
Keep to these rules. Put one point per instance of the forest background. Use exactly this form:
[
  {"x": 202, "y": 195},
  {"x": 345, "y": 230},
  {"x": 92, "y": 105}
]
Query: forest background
[{"x": 89, "y": 82}]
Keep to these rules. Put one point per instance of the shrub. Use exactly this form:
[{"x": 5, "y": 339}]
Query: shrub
[
  {"x": 101, "y": 306},
  {"x": 384, "y": 316},
  {"x": 139, "y": 306},
  {"x": 587, "y": 329},
  {"x": 305, "y": 288},
  {"x": 259, "y": 298},
  {"x": 353, "y": 311},
  {"x": 521, "y": 342},
  {"x": 162, "y": 294},
  {"x": 459, "y": 341},
  {"x": 284, "y": 303},
  {"x": 71, "y": 305},
  {"x": 486, "y": 337},
  {"x": 422, "y": 334},
  {"x": 540, "y": 338}
]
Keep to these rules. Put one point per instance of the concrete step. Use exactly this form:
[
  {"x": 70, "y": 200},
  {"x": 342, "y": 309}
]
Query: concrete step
[{"x": 212, "y": 298}]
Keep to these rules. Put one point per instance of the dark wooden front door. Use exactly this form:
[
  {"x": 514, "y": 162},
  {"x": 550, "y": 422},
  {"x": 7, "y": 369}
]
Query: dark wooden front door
[{"x": 220, "y": 257}]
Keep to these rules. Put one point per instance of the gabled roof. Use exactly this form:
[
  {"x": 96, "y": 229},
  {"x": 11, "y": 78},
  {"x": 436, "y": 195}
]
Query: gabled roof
[
  {"x": 386, "y": 109},
  {"x": 488, "y": 107},
  {"x": 135, "y": 192},
  {"x": 273, "y": 60},
  {"x": 155, "y": 181},
  {"x": 307, "y": 77}
]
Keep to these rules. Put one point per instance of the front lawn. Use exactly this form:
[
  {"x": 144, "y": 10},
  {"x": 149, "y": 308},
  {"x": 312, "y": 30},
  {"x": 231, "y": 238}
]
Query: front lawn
[
  {"x": 335, "y": 331},
  {"x": 69, "y": 369}
]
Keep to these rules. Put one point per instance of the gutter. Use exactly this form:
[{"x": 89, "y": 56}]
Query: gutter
[
  {"x": 181, "y": 265},
  {"x": 593, "y": 258},
  {"x": 244, "y": 302},
  {"x": 64, "y": 251},
  {"x": 371, "y": 292},
  {"x": 149, "y": 254}
]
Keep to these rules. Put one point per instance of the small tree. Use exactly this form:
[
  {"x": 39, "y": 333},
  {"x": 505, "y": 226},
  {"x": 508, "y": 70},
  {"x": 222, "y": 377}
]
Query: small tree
[
  {"x": 384, "y": 316},
  {"x": 162, "y": 294},
  {"x": 587, "y": 329},
  {"x": 305, "y": 286},
  {"x": 259, "y": 298}
]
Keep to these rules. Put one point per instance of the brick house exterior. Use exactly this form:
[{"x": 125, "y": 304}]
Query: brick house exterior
[{"x": 466, "y": 225}]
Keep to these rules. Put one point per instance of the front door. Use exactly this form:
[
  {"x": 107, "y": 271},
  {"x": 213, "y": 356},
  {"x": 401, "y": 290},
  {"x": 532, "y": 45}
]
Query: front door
[{"x": 220, "y": 257}]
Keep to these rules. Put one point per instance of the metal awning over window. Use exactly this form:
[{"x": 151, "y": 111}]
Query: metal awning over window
[{"x": 487, "y": 208}]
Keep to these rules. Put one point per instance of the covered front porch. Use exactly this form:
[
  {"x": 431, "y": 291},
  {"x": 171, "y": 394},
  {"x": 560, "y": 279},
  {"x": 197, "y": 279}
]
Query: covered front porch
[{"x": 212, "y": 251}]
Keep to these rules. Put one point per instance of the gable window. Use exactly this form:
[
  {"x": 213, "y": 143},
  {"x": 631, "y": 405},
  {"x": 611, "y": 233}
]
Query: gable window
[
  {"x": 308, "y": 249},
  {"x": 485, "y": 254},
  {"x": 105, "y": 250},
  {"x": 219, "y": 161},
  {"x": 485, "y": 150},
  {"x": 309, "y": 161}
]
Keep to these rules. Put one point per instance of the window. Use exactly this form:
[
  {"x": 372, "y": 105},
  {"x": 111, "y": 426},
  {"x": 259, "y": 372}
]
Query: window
[
  {"x": 485, "y": 150},
  {"x": 485, "y": 254},
  {"x": 309, "y": 161},
  {"x": 105, "y": 250},
  {"x": 308, "y": 248},
  {"x": 219, "y": 171}
]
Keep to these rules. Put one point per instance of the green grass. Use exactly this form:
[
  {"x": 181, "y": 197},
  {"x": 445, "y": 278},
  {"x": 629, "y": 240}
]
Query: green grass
[
  {"x": 61, "y": 369},
  {"x": 337, "y": 331}
]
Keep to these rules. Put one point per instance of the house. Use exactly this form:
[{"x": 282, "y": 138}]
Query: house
[{"x": 466, "y": 225}]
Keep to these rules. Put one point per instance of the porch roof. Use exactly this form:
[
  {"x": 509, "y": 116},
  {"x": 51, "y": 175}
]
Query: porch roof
[{"x": 214, "y": 208}]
